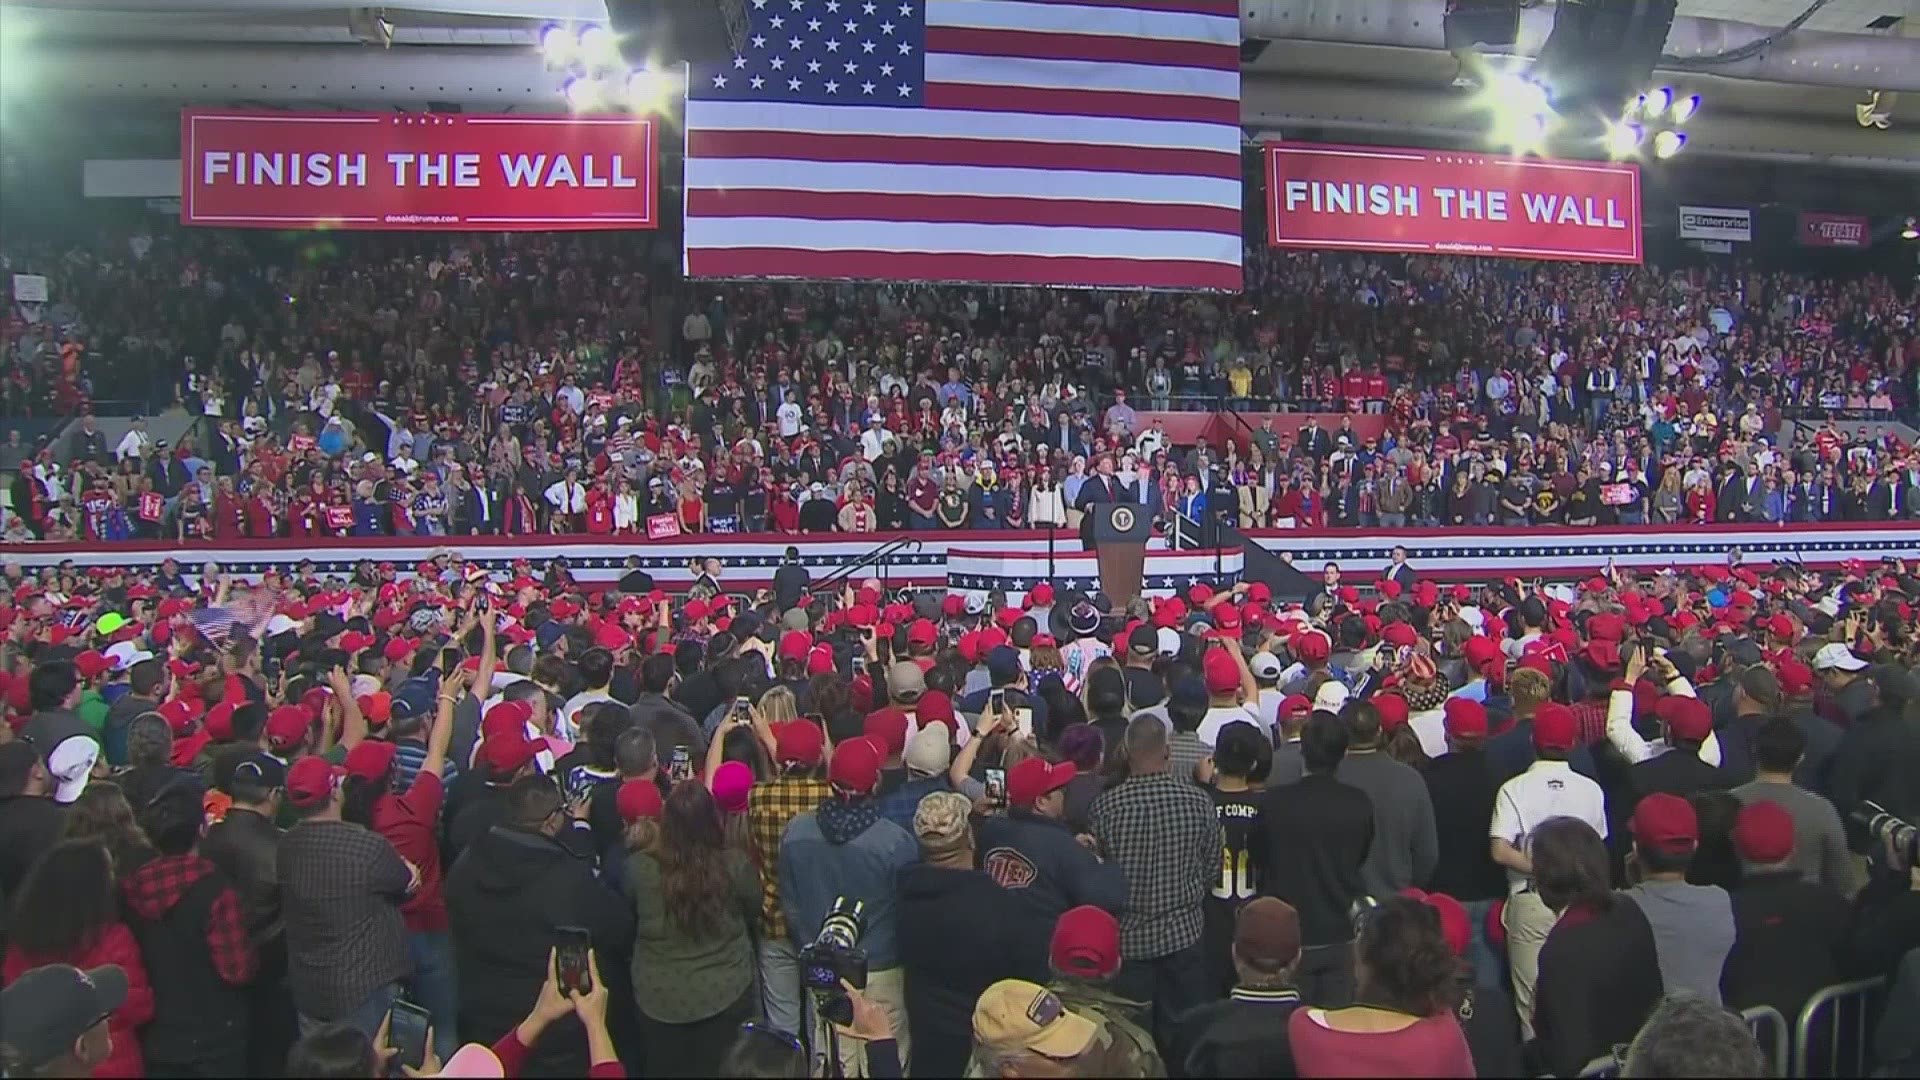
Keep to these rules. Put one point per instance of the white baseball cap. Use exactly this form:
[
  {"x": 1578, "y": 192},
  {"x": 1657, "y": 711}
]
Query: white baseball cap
[
  {"x": 1332, "y": 696},
  {"x": 1836, "y": 656},
  {"x": 1169, "y": 643},
  {"x": 71, "y": 765},
  {"x": 1265, "y": 666},
  {"x": 125, "y": 654}
]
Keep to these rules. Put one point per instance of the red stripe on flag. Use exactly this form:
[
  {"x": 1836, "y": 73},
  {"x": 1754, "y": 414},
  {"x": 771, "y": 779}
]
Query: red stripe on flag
[
  {"x": 1218, "y": 8},
  {"x": 1051, "y": 101},
  {"x": 1039, "y": 45},
  {"x": 939, "y": 150},
  {"x": 915, "y": 266},
  {"x": 973, "y": 209}
]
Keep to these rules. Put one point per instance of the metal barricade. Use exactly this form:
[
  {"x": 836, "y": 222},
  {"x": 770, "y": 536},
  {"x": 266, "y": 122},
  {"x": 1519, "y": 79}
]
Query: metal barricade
[
  {"x": 1770, "y": 1031},
  {"x": 1846, "y": 1035}
]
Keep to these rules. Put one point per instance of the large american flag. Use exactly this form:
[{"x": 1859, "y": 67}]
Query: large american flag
[{"x": 1046, "y": 142}]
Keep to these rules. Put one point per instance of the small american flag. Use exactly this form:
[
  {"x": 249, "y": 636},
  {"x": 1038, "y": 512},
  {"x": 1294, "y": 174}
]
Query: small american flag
[
  {"x": 1045, "y": 142},
  {"x": 248, "y": 611}
]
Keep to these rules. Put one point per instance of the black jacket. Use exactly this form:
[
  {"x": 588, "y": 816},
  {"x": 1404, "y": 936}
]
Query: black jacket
[
  {"x": 246, "y": 847},
  {"x": 1308, "y": 844},
  {"x": 1046, "y": 871},
  {"x": 790, "y": 584},
  {"x": 475, "y": 806},
  {"x": 958, "y": 933},
  {"x": 1599, "y": 979},
  {"x": 1492, "y": 1028},
  {"x": 1244, "y": 1035},
  {"x": 1462, "y": 788},
  {"x": 29, "y": 825},
  {"x": 1788, "y": 934},
  {"x": 505, "y": 895}
]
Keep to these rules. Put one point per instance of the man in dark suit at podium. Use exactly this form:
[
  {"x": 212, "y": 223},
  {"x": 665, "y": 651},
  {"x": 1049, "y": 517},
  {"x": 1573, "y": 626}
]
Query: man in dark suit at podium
[{"x": 1101, "y": 487}]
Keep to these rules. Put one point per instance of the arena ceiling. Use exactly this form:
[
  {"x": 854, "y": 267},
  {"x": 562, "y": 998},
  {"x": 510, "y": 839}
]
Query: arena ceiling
[{"x": 1364, "y": 69}]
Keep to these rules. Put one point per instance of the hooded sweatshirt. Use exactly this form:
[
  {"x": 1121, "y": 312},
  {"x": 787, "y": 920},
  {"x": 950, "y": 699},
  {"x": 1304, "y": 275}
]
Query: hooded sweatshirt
[{"x": 845, "y": 849}]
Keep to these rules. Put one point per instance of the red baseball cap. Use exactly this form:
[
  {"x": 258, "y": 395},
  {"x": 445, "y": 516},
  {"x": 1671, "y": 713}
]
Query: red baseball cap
[
  {"x": 1686, "y": 717},
  {"x": 1312, "y": 646},
  {"x": 1763, "y": 833},
  {"x": 1041, "y": 595},
  {"x": 856, "y": 766},
  {"x": 507, "y": 752},
  {"x": 1034, "y": 778},
  {"x": 310, "y": 781},
  {"x": 1399, "y": 635},
  {"x": 1665, "y": 823},
  {"x": 92, "y": 665},
  {"x": 287, "y": 725},
  {"x": 800, "y": 742},
  {"x": 795, "y": 644},
  {"x": 371, "y": 758},
  {"x": 1554, "y": 728},
  {"x": 638, "y": 799},
  {"x": 1796, "y": 678},
  {"x": 1222, "y": 674},
  {"x": 1295, "y": 705},
  {"x": 1086, "y": 942},
  {"x": 1465, "y": 718},
  {"x": 377, "y": 707},
  {"x": 922, "y": 632},
  {"x": 1393, "y": 711},
  {"x": 888, "y": 730},
  {"x": 399, "y": 648},
  {"x": 1455, "y": 926},
  {"x": 178, "y": 714}
]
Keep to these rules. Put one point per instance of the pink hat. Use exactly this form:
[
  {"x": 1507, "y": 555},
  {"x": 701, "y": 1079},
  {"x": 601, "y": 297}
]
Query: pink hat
[
  {"x": 731, "y": 783},
  {"x": 473, "y": 1062}
]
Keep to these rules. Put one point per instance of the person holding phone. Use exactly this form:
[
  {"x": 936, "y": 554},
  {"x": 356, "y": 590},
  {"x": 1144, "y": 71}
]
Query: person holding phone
[{"x": 508, "y": 896}]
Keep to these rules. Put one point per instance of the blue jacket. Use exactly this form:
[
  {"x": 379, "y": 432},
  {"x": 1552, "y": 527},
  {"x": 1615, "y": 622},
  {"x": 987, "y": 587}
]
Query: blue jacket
[
  {"x": 1039, "y": 861},
  {"x": 820, "y": 863}
]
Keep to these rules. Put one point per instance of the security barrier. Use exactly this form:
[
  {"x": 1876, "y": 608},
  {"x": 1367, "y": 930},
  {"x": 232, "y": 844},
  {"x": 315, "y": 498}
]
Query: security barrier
[
  {"x": 1845, "y": 1036},
  {"x": 1770, "y": 1031}
]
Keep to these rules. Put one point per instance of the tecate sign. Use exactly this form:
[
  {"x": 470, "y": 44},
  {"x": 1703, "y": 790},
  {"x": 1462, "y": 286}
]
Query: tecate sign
[
  {"x": 1378, "y": 198},
  {"x": 1833, "y": 230},
  {"x": 416, "y": 171}
]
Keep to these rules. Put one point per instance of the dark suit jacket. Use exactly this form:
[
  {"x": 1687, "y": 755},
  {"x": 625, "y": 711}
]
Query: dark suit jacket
[{"x": 1788, "y": 934}]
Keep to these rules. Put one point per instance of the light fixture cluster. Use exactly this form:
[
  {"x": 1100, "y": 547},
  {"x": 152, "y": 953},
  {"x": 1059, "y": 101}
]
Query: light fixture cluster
[
  {"x": 1654, "y": 118},
  {"x": 599, "y": 78},
  {"x": 1522, "y": 108}
]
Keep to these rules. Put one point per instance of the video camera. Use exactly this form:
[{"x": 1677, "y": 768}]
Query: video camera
[
  {"x": 835, "y": 954},
  {"x": 1893, "y": 834}
]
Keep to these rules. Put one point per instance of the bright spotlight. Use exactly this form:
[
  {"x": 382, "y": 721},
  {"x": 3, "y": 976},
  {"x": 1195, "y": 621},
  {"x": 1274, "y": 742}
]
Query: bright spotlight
[
  {"x": 1911, "y": 230},
  {"x": 649, "y": 91},
  {"x": 1623, "y": 140},
  {"x": 558, "y": 45},
  {"x": 582, "y": 94},
  {"x": 1684, "y": 108},
  {"x": 1658, "y": 101},
  {"x": 1668, "y": 143},
  {"x": 599, "y": 48}
]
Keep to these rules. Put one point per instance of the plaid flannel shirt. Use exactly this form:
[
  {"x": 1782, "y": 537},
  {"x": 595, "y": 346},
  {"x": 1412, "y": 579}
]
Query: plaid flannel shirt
[
  {"x": 770, "y": 808},
  {"x": 1164, "y": 834}
]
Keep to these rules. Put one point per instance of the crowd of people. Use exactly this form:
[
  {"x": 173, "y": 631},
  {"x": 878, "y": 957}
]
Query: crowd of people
[
  {"x": 428, "y": 386},
  {"x": 467, "y": 824}
]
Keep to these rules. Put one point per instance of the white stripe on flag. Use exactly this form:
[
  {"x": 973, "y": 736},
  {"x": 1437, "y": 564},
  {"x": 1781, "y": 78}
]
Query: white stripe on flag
[
  {"x": 1082, "y": 75},
  {"x": 1096, "y": 20},
  {"x": 959, "y": 124},
  {"x": 782, "y": 175},
  {"x": 941, "y": 237}
]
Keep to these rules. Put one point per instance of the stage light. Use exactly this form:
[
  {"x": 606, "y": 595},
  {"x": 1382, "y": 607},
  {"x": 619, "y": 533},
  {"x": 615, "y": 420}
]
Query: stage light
[
  {"x": 582, "y": 94},
  {"x": 558, "y": 45},
  {"x": 1623, "y": 140},
  {"x": 599, "y": 48},
  {"x": 1911, "y": 230},
  {"x": 1658, "y": 101},
  {"x": 649, "y": 91},
  {"x": 1668, "y": 143},
  {"x": 1685, "y": 108}
]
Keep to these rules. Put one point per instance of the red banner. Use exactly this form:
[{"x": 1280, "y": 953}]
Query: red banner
[
  {"x": 1382, "y": 198},
  {"x": 275, "y": 170},
  {"x": 1833, "y": 230},
  {"x": 663, "y": 527}
]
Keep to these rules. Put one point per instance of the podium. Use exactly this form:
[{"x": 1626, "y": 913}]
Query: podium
[{"x": 1120, "y": 535}]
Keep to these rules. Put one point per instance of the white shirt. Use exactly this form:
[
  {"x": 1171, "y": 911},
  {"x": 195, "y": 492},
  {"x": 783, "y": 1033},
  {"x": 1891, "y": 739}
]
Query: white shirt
[
  {"x": 873, "y": 442},
  {"x": 789, "y": 414},
  {"x": 1431, "y": 726},
  {"x": 1548, "y": 789},
  {"x": 1221, "y": 715},
  {"x": 567, "y": 498},
  {"x": 133, "y": 444},
  {"x": 568, "y": 726}
]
